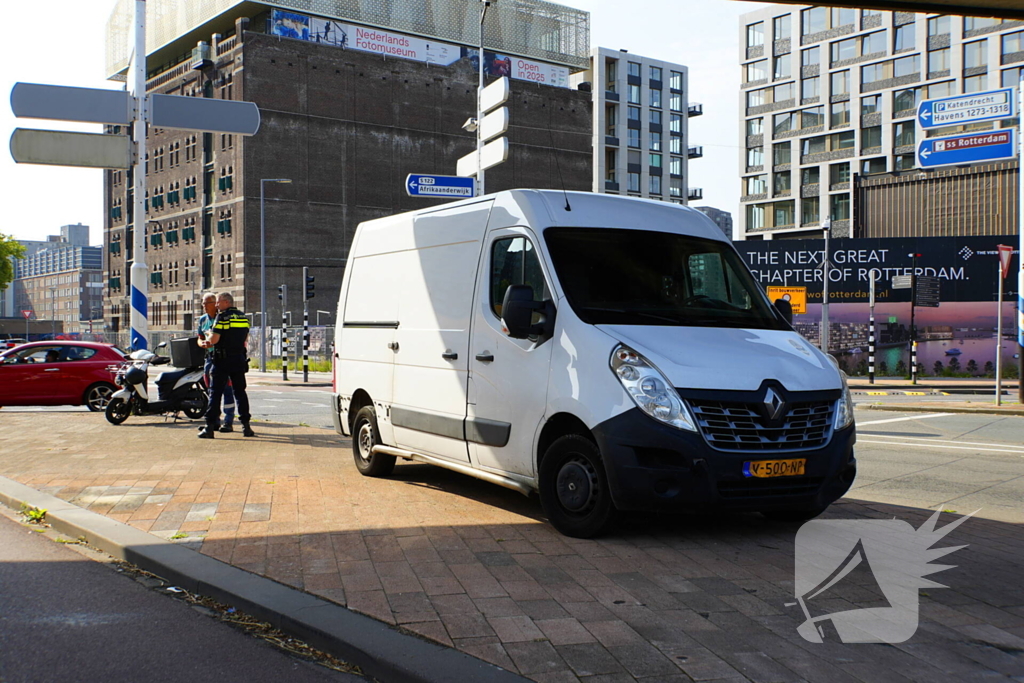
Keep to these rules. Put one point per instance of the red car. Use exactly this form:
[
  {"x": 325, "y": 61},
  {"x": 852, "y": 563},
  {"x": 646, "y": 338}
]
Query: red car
[{"x": 59, "y": 373}]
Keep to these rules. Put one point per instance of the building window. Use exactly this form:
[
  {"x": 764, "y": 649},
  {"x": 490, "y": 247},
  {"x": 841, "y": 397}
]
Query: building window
[
  {"x": 633, "y": 113},
  {"x": 903, "y": 134},
  {"x": 755, "y": 126},
  {"x": 810, "y": 176},
  {"x": 903, "y": 162},
  {"x": 634, "y": 182},
  {"x": 675, "y": 80},
  {"x": 610, "y": 74},
  {"x": 782, "y": 68},
  {"x": 757, "y": 184},
  {"x": 675, "y": 123},
  {"x": 781, "y": 153},
  {"x": 782, "y": 123},
  {"x": 870, "y": 104},
  {"x": 655, "y": 73},
  {"x": 1010, "y": 77},
  {"x": 810, "y": 208},
  {"x": 755, "y": 217},
  {"x": 781, "y": 182},
  {"x": 975, "y": 54},
  {"x": 813, "y": 20},
  {"x": 611, "y": 119},
  {"x": 810, "y": 88},
  {"x": 675, "y": 166},
  {"x": 843, "y": 49},
  {"x": 655, "y": 142},
  {"x": 811, "y": 56},
  {"x": 840, "y": 207},
  {"x": 904, "y": 100},
  {"x": 839, "y": 173},
  {"x": 840, "y": 114},
  {"x": 654, "y": 160},
  {"x": 871, "y": 137},
  {"x": 976, "y": 83},
  {"x": 675, "y": 144},
  {"x": 634, "y": 69},
  {"x": 841, "y": 16},
  {"x": 906, "y": 66},
  {"x": 938, "y": 60},
  {"x": 634, "y": 94},
  {"x": 675, "y": 187},
  {"x": 634, "y": 138},
  {"x": 944, "y": 89},
  {"x": 655, "y": 117},
  {"x": 656, "y": 98},
  {"x": 655, "y": 184},
  {"x": 757, "y": 71},
  {"x": 841, "y": 83},
  {"x": 755, "y": 98},
  {"x": 786, "y": 91},
  {"x": 675, "y": 102},
  {"x": 755, "y": 34},
  {"x": 903, "y": 37},
  {"x": 810, "y": 118},
  {"x": 873, "y": 43},
  {"x": 974, "y": 23},
  {"x": 780, "y": 27},
  {"x": 938, "y": 26},
  {"x": 755, "y": 156},
  {"x": 784, "y": 213},
  {"x": 1013, "y": 42},
  {"x": 873, "y": 72},
  {"x": 610, "y": 162},
  {"x": 870, "y": 166}
]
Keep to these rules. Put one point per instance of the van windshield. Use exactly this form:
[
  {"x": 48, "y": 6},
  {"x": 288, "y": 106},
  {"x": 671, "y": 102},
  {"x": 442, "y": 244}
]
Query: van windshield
[{"x": 642, "y": 277}]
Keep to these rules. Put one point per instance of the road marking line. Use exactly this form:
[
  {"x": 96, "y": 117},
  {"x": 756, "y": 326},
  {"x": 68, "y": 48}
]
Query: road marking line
[
  {"x": 903, "y": 419},
  {"x": 943, "y": 446},
  {"x": 318, "y": 405},
  {"x": 312, "y": 391},
  {"x": 280, "y": 400},
  {"x": 935, "y": 440}
]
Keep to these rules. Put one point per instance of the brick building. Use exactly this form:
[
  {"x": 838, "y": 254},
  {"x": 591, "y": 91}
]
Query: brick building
[{"x": 346, "y": 125}]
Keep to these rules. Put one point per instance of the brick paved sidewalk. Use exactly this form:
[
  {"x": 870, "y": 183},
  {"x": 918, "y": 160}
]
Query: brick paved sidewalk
[{"x": 473, "y": 565}]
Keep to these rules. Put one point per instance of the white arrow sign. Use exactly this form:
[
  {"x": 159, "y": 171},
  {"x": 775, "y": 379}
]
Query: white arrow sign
[
  {"x": 494, "y": 124},
  {"x": 62, "y": 148},
  {"x": 494, "y": 95},
  {"x": 492, "y": 154},
  {"x": 64, "y": 103}
]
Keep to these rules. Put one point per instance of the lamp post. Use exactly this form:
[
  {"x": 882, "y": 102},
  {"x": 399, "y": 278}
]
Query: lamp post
[
  {"x": 484, "y": 4},
  {"x": 263, "y": 270}
]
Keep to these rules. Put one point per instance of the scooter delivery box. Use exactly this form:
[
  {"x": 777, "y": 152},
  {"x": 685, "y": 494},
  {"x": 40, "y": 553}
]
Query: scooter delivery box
[{"x": 186, "y": 353}]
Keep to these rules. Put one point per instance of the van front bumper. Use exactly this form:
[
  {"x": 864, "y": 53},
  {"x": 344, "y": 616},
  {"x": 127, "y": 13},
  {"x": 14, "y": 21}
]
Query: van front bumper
[{"x": 652, "y": 466}]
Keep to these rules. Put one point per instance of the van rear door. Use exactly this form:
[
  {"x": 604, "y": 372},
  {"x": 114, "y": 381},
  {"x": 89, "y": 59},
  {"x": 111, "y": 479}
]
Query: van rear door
[{"x": 436, "y": 283}]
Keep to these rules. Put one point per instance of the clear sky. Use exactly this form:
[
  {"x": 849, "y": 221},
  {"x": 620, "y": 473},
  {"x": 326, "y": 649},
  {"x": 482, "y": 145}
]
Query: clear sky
[{"x": 702, "y": 34}]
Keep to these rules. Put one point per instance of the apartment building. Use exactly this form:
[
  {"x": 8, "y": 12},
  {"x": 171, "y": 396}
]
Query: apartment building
[
  {"x": 829, "y": 98},
  {"x": 641, "y": 131},
  {"x": 60, "y": 279},
  {"x": 723, "y": 219}
]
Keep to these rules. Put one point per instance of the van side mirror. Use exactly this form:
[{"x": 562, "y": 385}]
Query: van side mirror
[
  {"x": 517, "y": 311},
  {"x": 785, "y": 309}
]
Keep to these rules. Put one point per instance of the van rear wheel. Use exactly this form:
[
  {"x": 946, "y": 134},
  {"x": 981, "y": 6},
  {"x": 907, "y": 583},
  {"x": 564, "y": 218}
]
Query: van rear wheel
[
  {"x": 364, "y": 437},
  {"x": 574, "y": 487}
]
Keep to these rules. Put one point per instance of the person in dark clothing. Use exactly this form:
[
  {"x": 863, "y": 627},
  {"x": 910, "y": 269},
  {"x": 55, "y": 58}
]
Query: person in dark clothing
[{"x": 230, "y": 363}]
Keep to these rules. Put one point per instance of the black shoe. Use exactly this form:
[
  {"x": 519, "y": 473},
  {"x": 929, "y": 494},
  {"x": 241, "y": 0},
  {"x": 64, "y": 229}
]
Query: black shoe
[
  {"x": 226, "y": 428},
  {"x": 205, "y": 433},
  {"x": 247, "y": 431},
  {"x": 202, "y": 427}
]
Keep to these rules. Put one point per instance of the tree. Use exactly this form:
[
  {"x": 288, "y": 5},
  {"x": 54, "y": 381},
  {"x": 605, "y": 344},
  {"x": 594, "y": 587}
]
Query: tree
[
  {"x": 972, "y": 367},
  {"x": 901, "y": 368},
  {"x": 990, "y": 368},
  {"x": 954, "y": 364},
  {"x": 9, "y": 248},
  {"x": 938, "y": 368}
]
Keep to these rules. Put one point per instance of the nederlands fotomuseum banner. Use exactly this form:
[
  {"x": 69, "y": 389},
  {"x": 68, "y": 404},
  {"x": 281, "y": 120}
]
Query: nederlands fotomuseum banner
[{"x": 966, "y": 267}]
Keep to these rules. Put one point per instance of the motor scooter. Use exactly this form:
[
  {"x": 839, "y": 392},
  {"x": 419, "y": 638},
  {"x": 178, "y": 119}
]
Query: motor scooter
[{"x": 178, "y": 391}]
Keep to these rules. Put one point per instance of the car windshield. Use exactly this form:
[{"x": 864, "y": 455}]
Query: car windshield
[{"x": 643, "y": 277}]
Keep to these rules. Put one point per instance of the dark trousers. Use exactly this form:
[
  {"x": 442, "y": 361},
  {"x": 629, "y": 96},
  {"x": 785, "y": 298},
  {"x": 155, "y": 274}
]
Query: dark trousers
[
  {"x": 228, "y": 369},
  {"x": 229, "y": 394}
]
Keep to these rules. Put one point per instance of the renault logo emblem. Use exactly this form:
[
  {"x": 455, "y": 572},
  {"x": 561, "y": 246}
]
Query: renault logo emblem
[{"x": 773, "y": 404}]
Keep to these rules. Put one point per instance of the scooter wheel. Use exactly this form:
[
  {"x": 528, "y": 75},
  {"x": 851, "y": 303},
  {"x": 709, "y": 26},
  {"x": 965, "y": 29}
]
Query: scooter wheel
[
  {"x": 117, "y": 411},
  {"x": 194, "y": 413}
]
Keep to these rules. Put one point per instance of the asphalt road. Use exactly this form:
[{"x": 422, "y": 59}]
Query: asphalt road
[{"x": 64, "y": 617}]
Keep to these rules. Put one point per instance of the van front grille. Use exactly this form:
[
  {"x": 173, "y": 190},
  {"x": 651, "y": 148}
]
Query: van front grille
[{"x": 737, "y": 426}]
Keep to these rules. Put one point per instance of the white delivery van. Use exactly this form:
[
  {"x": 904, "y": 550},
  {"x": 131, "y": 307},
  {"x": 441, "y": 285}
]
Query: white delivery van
[{"x": 608, "y": 353}]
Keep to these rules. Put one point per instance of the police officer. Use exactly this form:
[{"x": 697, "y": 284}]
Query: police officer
[
  {"x": 227, "y": 339},
  {"x": 205, "y": 325}
]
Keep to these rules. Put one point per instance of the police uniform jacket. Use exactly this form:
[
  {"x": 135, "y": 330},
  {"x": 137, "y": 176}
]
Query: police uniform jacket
[{"x": 233, "y": 328}]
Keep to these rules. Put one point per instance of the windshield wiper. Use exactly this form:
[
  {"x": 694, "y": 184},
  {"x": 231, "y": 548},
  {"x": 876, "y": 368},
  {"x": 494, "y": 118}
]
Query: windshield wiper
[{"x": 642, "y": 314}]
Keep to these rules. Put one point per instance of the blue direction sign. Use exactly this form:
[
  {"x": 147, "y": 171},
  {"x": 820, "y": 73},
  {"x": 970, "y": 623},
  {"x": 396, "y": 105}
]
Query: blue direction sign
[
  {"x": 439, "y": 186},
  {"x": 967, "y": 149},
  {"x": 963, "y": 109}
]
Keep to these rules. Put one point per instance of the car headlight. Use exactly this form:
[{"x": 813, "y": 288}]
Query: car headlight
[
  {"x": 649, "y": 389},
  {"x": 844, "y": 409}
]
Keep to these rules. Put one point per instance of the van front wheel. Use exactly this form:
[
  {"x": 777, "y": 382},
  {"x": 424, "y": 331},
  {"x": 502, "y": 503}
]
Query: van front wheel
[
  {"x": 364, "y": 438},
  {"x": 574, "y": 488}
]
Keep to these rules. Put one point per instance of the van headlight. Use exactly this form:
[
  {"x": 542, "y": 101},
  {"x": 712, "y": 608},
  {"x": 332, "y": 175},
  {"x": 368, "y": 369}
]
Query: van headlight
[
  {"x": 844, "y": 409},
  {"x": 649, "y": 389}
]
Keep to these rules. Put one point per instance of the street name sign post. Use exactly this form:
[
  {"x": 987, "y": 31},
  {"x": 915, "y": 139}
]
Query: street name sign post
[
  {"x": 490, "y": 122},
  {"x": 132, "y": 107},
  {"x": 967, "y": 149},
  {"x": 902, "y": 282},
  {"x": 964, "y": 109},
  {"x": 417, "y": 185},
  {"x": 926, "y": 293}
]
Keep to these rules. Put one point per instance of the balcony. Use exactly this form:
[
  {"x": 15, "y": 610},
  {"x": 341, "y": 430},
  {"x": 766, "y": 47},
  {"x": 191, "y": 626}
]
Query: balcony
[
  {"x": 695, "y": 193},
  {"x": 695, "y": 152},
  {"x": 694, "y": 109}
]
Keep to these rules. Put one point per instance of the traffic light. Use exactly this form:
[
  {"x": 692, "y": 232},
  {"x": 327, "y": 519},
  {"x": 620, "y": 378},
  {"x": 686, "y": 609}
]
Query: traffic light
[
  {"x": 308, "y": 279},
  {"x": 280, "y": 293}
]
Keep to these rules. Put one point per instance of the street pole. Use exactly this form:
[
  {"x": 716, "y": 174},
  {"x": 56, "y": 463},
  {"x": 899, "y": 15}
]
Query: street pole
[
  {"x": 913, "y": 329},
  {"x": 284, "y": 332},
  {"x": 1020, "y": 253},
  {"x": 140, "y": 272},
  {"x": 999, "y": 336},
  {"x": 263, "y": 270},
  {"x": 479, "y": 105},
  {"x": 827, "y": 227},
  {"x": 871, "y": 329},
  {"x": 305, "y": 326}
]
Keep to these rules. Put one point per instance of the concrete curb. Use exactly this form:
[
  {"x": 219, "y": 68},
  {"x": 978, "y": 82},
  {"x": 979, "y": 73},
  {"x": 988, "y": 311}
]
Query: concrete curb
[
  {"x": 379, "y": 650},
  {"x": 942, "y": 408}
]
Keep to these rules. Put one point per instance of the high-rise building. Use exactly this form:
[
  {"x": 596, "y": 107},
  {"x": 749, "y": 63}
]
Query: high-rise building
[
  {"x": 60, "y": 279},
  {"x": 641, "y": 131},
  {"x": 829, "y": 97},
  {"x": 354, "y": 96},
  {"x": 723, "y": 219}
]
